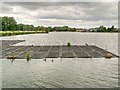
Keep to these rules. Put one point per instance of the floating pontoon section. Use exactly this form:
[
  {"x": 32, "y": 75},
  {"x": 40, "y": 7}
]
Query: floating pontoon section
[{"x": 39, "y": 52}]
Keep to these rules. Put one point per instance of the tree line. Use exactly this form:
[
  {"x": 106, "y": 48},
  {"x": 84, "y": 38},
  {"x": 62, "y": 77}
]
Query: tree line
[
  {"x": 10, "y": 24},
  {"x": 109, "y": 29}
]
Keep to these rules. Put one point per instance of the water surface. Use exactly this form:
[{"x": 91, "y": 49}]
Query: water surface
[{"x": 64, "y": 73}]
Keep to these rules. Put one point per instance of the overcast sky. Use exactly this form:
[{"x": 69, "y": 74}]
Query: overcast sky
[{"x": 73, "y": 14}]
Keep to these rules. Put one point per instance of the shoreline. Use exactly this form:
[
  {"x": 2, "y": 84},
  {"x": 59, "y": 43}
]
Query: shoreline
[{"x": 14, "y": 33}]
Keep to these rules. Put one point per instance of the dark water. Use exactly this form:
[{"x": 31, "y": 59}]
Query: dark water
[{"x": 65, "y": 73}]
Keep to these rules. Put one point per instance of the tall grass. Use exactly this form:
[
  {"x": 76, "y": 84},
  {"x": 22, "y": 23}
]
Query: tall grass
[
  {"x": 28, "y": 56},
  {"x": 10, "y": 33}
]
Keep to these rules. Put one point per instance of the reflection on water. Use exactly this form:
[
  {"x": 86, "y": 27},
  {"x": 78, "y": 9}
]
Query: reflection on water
[
  {"x": 67, "y": 73},
  {"x": 107, "y": 41}
]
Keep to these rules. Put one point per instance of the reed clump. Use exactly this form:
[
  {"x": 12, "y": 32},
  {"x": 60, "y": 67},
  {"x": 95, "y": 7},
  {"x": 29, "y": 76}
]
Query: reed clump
[
  {"x": 28, "y": 56},
  {"x": 69, "y": 44}
]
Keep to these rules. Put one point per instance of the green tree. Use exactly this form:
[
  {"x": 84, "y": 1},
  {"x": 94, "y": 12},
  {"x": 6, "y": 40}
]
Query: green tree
[
  {"x": 4, "y": 23},
  {"x": 0, "y": 23},
  {"x": 12, "y": 23},
  {"x": 8, "y": 23},
  {"x": 101, "y": 29},
  {"x": 50, "y": 29},
  {"x": 108, "y": 29},
  {"x": 20, "y": 27}
]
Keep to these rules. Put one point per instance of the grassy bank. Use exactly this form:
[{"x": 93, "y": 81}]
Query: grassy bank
[{"x": 10, "y": 33}]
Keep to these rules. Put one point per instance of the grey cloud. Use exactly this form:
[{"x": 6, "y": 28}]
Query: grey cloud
[
  {"x": 60, "y": 0},
  {"x": 84, "y": 11},
  {"x": 39, "y": 5}
]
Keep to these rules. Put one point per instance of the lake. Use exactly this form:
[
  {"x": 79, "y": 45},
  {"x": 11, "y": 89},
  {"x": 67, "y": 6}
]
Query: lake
[{"x": 65, "y": 72}]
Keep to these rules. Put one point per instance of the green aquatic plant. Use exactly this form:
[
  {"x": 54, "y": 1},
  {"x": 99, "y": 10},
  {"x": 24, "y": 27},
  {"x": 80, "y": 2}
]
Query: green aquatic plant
[
  {"x": 27, "y": 56},
  {"x": 69, "y": 44}
]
